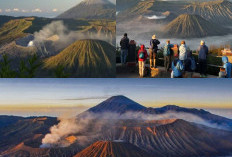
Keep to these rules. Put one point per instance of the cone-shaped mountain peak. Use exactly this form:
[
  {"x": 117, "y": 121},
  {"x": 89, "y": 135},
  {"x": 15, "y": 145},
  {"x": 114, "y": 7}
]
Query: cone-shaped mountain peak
[
  {"x": 113, "y": 149},
  {"x": 118, "y": 104}
]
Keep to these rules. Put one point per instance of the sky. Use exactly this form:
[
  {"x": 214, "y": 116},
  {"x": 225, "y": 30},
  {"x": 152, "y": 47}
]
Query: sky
[
  {"x": 60, "y": 96},
  {"x": 42, "y": 8}
]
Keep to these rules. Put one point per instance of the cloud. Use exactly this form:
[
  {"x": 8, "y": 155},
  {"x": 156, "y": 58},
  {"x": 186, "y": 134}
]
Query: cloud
[
  {"x": 0, "y": 10},
  {"x": 24, "y": 11},
  {"x": 37, "y": 10},
  {"x": 54, "y": 10},
  {"x": 7, "y": 10},
  {"x": 90, "y": 98},
  {"x": 16, "y": 10}
]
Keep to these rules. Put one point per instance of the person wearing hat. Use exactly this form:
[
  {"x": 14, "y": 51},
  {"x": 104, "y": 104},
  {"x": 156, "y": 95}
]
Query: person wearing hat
[
  {"x": 202, "y": 59},
  {"x": 153, "y": 51},
  {"x": 124, "y": 43}
]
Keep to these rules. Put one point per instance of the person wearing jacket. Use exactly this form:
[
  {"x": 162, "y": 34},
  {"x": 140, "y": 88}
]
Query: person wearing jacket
[
  {"x": 190, "y": 65},
  {"x": 167, "y": 55},
  {"x": 202, "y": 58},
  {"x": 124, "y": 43},
  {"x": 227, "y": 65},
  {"x": 177, "y": 68},
  {"x": 142, "y": 57},
  {"x": 183, "y": 52},
  {"x": 153, "y": 51}
]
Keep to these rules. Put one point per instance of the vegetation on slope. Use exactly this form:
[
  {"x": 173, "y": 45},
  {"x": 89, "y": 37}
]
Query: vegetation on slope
[{"x": 86, "y": 58}]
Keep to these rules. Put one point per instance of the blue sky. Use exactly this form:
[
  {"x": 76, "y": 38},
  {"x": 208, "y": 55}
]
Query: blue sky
[
  {"x": 44, "y": 8},
  {"x": 80, "y": 94}
]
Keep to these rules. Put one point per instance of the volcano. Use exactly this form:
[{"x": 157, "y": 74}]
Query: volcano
[
  {"x": 193, "y": 26},
  {"x": 119, "y": 104},
  {"x": 91, "y": 9},
  {"x": 86, "y": 58},
  {"x": 113, "y": 149},
  {"x": 178, "y": 138},
  {"x": 219, "y": 11}
]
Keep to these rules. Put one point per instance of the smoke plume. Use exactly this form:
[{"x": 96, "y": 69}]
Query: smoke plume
[
  {"x": 61, "y": 37},
  {"x": 94, "y": 123}
]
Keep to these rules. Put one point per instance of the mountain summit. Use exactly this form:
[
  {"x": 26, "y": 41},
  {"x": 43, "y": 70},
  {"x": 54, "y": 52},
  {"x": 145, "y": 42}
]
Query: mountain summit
[
  {"x": 193, "y": 26},
  {"x": 91, "y": 9},
  {"x": 119, "y": 104},
  {"x": 86, "y": 58}
]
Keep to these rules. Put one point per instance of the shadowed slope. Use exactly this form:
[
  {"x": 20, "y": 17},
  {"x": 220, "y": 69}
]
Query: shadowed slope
[
  {"x": 86, "y": 58},
  {"x": 191, "y": 26},
  {"x": 112, "y": 149}
]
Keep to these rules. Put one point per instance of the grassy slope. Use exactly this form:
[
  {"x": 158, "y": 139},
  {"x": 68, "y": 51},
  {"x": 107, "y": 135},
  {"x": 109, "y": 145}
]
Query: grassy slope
[
  {"x": 14, "y": 29},
  {"x": 86, "y": 58}
]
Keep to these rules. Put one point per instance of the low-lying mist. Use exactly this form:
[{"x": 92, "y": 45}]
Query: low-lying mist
[
  {"x": 142, "y": 33},
  {"x": 84, "y": 123}
]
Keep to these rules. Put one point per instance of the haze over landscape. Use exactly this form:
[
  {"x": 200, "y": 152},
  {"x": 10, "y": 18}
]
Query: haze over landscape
[{"x": 190, "y": 20}]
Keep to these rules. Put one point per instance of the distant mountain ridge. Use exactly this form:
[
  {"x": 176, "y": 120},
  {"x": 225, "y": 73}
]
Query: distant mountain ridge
[
  {"x": 91, "y": 9},
  {"x": 219, "y": 11}
]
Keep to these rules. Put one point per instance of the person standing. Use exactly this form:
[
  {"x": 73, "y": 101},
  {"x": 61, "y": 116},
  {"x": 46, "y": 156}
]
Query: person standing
[
  {"x": 153, "y": 51},
  {"x": 202, "y": 59},
  {"x": 132, "y": 51},
  {"x": 167, "y": 55},
  {"x": 124, "y": 43},
  {"x": 142, "y": 57},
  {"x": 175, "y": 51},
  {"x": 183, "y": 52},
  {"x": 190, "y": 65}
]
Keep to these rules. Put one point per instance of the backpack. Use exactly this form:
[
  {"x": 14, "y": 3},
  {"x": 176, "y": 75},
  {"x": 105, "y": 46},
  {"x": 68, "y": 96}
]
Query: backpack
[
  {"x": 141, "y": 55},
  {"x": 193, "y": 64},
  {"x": 167, "y": 50}
]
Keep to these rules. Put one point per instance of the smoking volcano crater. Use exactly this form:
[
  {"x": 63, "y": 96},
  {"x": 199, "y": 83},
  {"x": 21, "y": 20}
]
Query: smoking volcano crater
[{"x": 46, "y": 47}]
